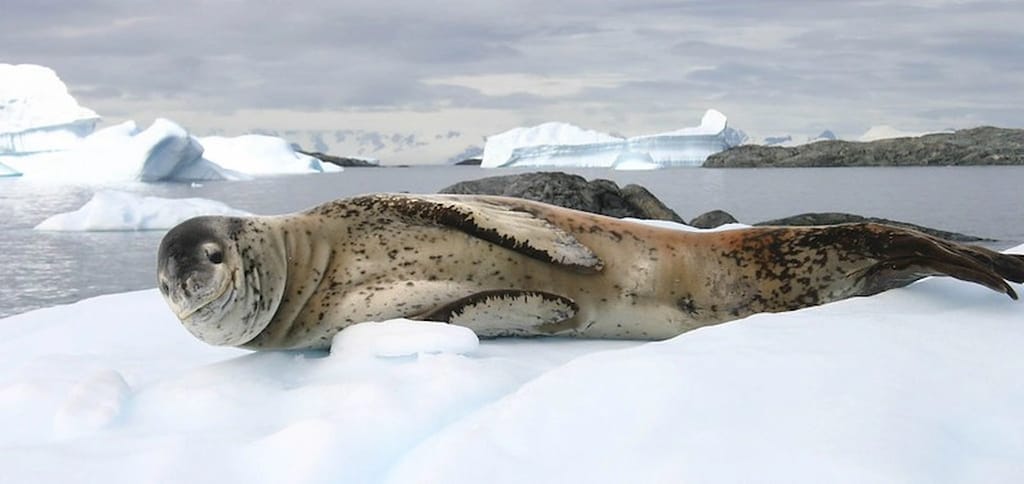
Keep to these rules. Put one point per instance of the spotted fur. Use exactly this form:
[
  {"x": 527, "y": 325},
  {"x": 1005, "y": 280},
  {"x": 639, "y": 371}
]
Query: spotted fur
[{"x": 301, "y": 278}]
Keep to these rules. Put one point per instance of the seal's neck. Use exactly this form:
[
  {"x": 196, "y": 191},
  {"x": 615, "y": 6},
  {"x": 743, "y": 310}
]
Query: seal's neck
[{"x": 296, "y": 262}]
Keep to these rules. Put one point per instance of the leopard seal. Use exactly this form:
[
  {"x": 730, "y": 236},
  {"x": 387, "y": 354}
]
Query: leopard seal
[{"x": 511, "y": 267}]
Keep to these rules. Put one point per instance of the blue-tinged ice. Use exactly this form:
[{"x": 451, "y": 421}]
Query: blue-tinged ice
[{"x": 565, "y": 145}]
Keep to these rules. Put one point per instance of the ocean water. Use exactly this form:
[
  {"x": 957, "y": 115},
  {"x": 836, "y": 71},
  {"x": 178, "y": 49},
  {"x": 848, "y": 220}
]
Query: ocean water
[{"x": 39, "y": 269}]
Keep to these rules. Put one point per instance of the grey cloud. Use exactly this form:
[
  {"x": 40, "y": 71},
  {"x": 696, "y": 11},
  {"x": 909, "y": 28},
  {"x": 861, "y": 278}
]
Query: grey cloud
[{"x": 903, "y": 59}]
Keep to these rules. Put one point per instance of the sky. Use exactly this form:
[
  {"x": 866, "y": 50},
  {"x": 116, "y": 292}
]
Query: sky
[{"x": 453, "y": 71}]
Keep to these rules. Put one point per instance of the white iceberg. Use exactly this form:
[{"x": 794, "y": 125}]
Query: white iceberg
[
  {"x": 162, "y": 152},
  {"x": 37, "y": 113},
  {"x": 255, "y": 154},
  {"x": 116, "y": 211},
  {"x": 45, "y": 134},
  {"x": 8, "y": 171},
  {"x": 920, "y": 384},
  {"x": 166, "y": 152},
  {"x": 563, "y": 145}
]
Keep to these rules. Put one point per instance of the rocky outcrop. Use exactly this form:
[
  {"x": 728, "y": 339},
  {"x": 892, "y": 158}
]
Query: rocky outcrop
[
  {"x": 976, "y": 146},
  {"x": 712, "y": 219},
  {"x": 572, "y": 191},
  {"x": 340, "y": 160},
  {"x": 469, "y": 162}
]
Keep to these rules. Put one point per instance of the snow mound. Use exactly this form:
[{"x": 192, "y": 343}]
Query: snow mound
[
  {"x": 564, "y": 145},
  {"x": 260, "y": 155},
  {"x": 37, "y": 113},
  {"x": 91, "y": 405},
  {"x": 114, "y": 210},
  {"x": 920, "y": 384},
  {"x": 402, "y": 337}
]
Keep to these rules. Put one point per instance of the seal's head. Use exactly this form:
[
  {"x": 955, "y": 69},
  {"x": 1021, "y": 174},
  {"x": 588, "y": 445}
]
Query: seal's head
[{"x": 199, "y": 274}]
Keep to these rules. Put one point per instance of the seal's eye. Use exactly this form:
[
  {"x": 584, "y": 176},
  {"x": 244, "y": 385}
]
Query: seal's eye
[{"x": 215, "y": 256}]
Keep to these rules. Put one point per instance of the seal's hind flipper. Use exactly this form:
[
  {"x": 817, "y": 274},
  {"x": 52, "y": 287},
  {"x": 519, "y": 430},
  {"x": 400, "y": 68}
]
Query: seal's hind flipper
[
  {"x": 506, "y": 312},
  {"x": 904, "y": 256},
  {"x": 490, "y": 219}
]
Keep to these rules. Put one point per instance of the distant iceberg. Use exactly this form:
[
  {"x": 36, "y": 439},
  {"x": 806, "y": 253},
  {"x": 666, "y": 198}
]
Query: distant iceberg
[
  {"x": 565, "y": 145},
  {"x": 37, "y": 113},
  {"x": 8, "y": 171},
  {"x": 45, "y": 134},
  {"x": 117, "y": 211},
  {"x": 256, "y": 154}
]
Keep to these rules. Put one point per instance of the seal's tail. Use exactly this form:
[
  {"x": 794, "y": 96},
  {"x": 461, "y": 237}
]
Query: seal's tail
[{"x": 902, "y": 256}]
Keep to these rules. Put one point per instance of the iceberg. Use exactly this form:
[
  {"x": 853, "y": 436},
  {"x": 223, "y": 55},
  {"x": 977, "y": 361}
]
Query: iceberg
[
  {"x": 166, "y": 152},
  {"x": 122, "y": 211},
  {"x": 8, "y": 171},
  {"x": 565, "y": 145},
  {"x": 256, "y": 154},
  {"x": 45, "y": 134},
  {"x": 163, "y": 152},
  {"x": 37, "y": 113}
]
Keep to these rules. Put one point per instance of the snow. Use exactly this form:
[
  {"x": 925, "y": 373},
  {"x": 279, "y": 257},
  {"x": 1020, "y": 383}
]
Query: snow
[
  {"x": 37, "y": 113},
  {"x": 920, "y": 384},
  {"x": 114, "y": 210},
  {"x": 565, "y": 145}
]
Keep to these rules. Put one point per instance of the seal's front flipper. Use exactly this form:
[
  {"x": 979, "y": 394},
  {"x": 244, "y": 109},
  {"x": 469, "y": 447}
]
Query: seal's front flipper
[
  {"x": 494, "y": 219},
  {"x": 506, "y": 312}
]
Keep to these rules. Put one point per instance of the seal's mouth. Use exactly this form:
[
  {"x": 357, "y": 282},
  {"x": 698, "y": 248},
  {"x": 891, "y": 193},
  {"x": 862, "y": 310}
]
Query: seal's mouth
[{"x": 184, "y": 312}]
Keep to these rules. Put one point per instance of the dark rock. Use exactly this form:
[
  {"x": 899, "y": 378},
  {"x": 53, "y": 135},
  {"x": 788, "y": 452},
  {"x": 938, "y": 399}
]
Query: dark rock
[
  {"x": 712, "y": 219},
  {"x": 976, "y": 146},
  {"x": 339, "y": 160},
  {"x": 832, "y": 218},
  {"x": 572, "y": 191},
  {"x": 470, "y": 162}
]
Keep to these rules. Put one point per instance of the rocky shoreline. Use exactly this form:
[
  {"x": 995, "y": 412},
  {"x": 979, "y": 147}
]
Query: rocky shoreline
[
  {"x": 967, "y": 147},
  {"x": 605, "y": 197}
]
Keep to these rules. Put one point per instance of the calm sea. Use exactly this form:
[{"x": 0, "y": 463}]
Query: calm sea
[{"x": 39, "y": 269}]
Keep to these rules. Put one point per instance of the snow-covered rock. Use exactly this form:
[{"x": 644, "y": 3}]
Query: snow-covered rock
[
  {"x": 560, "y": 144},
  {"x": 114, "y": 210},
  {"x": 255, "y": 154},
  {"x": 37, "y": 113},
  {"x": 919, "y": 384}
]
